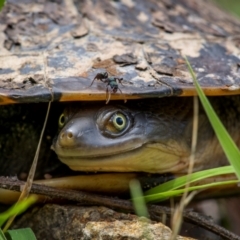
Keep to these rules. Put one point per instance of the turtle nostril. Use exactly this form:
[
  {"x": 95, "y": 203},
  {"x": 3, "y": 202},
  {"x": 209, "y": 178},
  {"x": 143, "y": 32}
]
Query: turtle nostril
[
  {"x": 66, "y": 138},
  {"x": 66, "y": 135},
  {"x": 70, "y": 135}
]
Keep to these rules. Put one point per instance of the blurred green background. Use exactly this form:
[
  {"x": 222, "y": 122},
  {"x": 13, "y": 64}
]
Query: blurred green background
[{"x": 232, "y": 6}]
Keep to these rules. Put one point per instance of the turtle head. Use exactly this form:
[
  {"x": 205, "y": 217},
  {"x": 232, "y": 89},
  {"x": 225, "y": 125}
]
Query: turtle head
[{"x": 119, "y": 139}]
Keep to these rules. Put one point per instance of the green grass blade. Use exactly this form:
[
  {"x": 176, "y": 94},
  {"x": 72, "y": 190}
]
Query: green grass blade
[
  {"x": 2, "y": 236},
  {"x": 138, "y": 199},
  {"x": 231, "y": 150},
  {"x": 181, "y": 181},
  {"x": 20, "y": 234},
  {"x": 168, "y": 194},
  {"x": 17, "y": 209}
]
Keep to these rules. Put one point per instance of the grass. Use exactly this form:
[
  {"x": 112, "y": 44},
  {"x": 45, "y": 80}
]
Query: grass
[
  {"x": 17, "y": 209},
  {"x": 175, "y": 188},
  {"x": 17, "y": 234},
  {"x": 229, "y": 147},
  {"x": 138, "y": 200}
]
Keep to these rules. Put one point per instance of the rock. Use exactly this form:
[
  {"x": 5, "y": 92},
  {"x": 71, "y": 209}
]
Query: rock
[{"x": 70, "y": 222}]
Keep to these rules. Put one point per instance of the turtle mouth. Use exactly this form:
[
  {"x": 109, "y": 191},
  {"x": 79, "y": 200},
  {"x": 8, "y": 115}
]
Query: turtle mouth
[
  {"x": 78, "y": 153},
  {"x": 141, "y": 159}
]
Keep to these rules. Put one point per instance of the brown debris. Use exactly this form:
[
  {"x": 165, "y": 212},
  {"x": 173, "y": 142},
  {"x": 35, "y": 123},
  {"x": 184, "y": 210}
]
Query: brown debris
[
  {"x": 125, "y": 59},
  {"x": 79, "y": 31},
  {"x": 163, "y": 69}
]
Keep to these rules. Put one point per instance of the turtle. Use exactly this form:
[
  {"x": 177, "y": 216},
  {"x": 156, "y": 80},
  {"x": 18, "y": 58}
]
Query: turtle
[
  {"x": 137, "y": 49},
  {"x": 145, "y": 66}
]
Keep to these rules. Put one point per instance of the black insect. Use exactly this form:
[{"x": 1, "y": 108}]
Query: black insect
[{"x": 112, "y": 84}]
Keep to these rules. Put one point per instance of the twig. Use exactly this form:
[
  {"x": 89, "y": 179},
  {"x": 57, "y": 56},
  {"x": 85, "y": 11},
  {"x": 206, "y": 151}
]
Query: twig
[
  {"x": 186, "y": 198},
  {"x": 155, "y": 212},
  {"x": 27, "y": 185}
]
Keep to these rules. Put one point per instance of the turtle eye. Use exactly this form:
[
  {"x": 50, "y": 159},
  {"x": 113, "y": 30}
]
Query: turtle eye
[
  {"x": 61, "y": 120},
  {"x": 119, "y": 121}
]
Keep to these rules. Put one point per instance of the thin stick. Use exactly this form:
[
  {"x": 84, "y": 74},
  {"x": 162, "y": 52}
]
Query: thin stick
[
  {"x": 177, "y": 216},
  {"x": 28, "y": 184}
]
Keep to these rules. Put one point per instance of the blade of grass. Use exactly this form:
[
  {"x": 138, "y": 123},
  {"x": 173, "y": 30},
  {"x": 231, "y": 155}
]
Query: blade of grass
[
  {"x": 17, "y": 209},
  {"x": 181, "y": 181},
  {"x": 138, "y": 199},
  {"x": 21, "y": 234},
  {"x": 2, "y": 236},
  {"x": 226, "y": 142},
  {"x": 173, "y": 193},
  {"x": 230, "y": 148}
]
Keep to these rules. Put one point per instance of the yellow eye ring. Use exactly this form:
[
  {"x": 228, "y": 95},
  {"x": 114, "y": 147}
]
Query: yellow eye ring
[
  {"x": 119, "y": 121},
  {"x": 61, "y": 120}
]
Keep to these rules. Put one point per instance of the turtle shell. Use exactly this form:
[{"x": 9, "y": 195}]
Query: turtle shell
[{"x": 54, "y": 53}]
